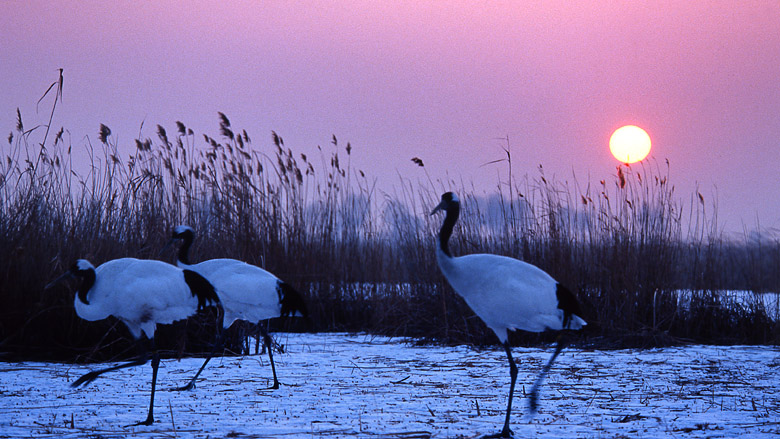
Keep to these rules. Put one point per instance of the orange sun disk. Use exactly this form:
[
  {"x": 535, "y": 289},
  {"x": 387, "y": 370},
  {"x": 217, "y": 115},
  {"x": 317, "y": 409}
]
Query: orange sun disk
[{"x": 629, "y": 144}]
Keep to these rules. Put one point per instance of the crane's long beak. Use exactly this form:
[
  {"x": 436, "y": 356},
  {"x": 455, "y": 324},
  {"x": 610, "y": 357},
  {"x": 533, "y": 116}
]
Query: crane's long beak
[
  {"x": 67, "y": 275},
  {"x": 170, "y": 243},
  {"x": 441, "y": 206}
]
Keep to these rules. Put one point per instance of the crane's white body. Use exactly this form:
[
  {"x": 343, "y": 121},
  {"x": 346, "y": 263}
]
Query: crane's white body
[
  {"x": 141, "y": 293},
  {"x": 247, "y": 292},
  {"x": 507, "y": 294}
]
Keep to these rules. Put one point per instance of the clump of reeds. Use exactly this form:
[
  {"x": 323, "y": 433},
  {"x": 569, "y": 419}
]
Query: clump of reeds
[{"x": 364, "y": 260}]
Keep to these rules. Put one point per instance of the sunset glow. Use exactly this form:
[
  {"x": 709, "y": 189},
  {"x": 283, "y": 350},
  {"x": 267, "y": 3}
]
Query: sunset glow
[{"x": 435, "y": 80}]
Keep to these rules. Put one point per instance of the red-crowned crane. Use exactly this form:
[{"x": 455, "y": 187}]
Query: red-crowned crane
[
  {"x": 247, "y": 292},
  {"x": 507, "y": 294},
  {"x": 142, "y": 294}
]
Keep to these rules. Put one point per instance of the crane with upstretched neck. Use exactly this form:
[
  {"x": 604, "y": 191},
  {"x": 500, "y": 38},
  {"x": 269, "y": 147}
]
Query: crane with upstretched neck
[{"x": 507, "y": 294}]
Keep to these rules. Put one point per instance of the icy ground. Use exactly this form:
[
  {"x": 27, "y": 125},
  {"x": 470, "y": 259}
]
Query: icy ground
[{"x": 337, "y": 385}]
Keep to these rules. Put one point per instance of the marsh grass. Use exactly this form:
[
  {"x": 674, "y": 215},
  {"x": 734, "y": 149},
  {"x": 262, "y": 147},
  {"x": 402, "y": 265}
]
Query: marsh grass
[{"x": 363, "y": 259}]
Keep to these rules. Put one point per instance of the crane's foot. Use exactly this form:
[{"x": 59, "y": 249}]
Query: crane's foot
[
  {"x": 505, "y": 433},
  {"x": 86, "y": 379},
  {"x": 189, "y": 386},
  {"x": 149, "y": 421},
  {"x": 533, "y": 403}
]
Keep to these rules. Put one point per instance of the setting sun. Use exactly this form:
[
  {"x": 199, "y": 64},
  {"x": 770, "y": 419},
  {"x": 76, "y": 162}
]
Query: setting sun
[{"x": 629, "y": 144}]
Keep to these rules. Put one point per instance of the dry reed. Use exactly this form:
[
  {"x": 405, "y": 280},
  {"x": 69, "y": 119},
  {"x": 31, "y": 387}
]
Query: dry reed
[{"x": 363, "y": 259}]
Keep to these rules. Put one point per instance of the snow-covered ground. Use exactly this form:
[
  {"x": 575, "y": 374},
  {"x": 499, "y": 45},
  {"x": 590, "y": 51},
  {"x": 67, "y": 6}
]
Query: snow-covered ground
[{"x": 337, "y": 385}]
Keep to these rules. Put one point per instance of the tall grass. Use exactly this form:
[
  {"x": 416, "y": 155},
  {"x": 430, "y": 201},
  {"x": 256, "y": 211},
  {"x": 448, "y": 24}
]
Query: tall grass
[{"x": 363, "y": 258}]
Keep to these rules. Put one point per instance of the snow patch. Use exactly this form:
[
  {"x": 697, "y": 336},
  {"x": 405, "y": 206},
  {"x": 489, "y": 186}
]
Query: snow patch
[{"x": 341, "y": 385}]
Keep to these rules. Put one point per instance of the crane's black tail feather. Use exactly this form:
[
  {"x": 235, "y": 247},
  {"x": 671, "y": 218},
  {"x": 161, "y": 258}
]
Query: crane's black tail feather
[
  {"x": 567, "y": 302},
  {"x": 292, "y": 301}
]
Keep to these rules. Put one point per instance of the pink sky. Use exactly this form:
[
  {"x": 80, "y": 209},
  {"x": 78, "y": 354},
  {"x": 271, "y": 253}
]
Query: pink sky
[{"x": 436, "y": 80}]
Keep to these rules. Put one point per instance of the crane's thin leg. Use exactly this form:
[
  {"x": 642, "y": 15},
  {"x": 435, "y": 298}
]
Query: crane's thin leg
[
  {"x": 218, "y": 344},
  {"x": 257, "y": 340},
  {"x": 91, "y": 376},
  {"x": 506, "y": 431},
  {"x": 535, "y": 390},
  {"x": 269, "y": 345},
  {"x": 155, "y": 365}
]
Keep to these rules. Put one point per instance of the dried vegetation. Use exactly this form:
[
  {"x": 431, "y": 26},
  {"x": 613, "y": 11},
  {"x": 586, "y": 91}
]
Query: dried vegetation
[{"x": 363, "y": 258}]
